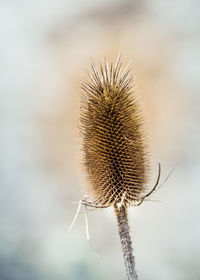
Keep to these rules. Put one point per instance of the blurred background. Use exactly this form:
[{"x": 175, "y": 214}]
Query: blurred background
[{"x": 45, "y": 47}]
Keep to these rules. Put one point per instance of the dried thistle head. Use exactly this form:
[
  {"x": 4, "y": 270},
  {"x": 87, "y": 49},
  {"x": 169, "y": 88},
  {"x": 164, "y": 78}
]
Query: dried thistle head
[{"x": 114, "y": 151}]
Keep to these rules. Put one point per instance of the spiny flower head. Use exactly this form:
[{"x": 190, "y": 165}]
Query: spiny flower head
[{"x": 114, "y": 151}]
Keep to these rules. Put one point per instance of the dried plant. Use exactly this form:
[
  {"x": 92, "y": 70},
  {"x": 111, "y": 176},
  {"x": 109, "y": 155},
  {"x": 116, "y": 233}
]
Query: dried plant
[{"x": 115, "y": 153}]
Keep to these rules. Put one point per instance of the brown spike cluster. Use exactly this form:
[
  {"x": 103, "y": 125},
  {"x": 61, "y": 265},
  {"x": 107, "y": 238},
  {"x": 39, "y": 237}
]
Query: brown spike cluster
[{"x": 114, "y": 152}]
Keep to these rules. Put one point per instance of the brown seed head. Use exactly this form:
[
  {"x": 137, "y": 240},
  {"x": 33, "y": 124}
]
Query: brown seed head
[{"x": 114, "y": 153}]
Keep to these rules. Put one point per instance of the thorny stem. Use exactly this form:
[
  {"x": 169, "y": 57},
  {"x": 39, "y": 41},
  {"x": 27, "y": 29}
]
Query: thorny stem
[{"x": 122, "y": 219}]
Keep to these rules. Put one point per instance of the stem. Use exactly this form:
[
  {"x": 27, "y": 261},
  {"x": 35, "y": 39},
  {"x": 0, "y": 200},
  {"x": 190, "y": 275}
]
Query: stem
[{"x": 122, "y": 219}]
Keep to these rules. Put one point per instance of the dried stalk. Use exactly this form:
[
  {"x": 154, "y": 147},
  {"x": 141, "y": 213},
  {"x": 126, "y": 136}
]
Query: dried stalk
[{"x": 125, "y": 238}]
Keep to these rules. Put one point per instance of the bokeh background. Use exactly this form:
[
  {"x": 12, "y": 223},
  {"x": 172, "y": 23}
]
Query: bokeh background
[{"x": 45, "y": 47}]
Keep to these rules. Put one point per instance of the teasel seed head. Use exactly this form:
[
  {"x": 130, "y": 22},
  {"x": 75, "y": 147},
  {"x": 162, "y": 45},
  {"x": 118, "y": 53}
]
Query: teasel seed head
[{"x": 115, "y": 155}]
